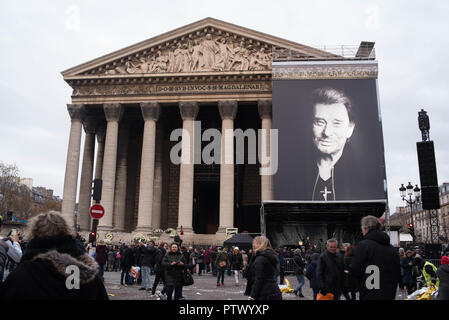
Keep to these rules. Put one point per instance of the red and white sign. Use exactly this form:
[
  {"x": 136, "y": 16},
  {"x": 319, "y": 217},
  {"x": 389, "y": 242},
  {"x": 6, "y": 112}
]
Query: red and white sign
[{"x": 96, "y": 211}]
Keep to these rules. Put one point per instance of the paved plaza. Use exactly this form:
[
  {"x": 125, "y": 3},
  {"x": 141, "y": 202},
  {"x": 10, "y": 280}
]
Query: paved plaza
[{"x": 204, "y": 288}]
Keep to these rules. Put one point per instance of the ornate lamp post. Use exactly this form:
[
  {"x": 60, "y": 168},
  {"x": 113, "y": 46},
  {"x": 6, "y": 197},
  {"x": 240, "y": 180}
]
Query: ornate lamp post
[{"x": 409, "y": 191}]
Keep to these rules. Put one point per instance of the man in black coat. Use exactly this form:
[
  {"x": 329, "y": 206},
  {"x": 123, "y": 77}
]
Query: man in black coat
[
  {"x": 127, "y": 260},
  {"x": 330, "y": 271},
  {"x": 147, "y": 254},
  {"x": 376, "y": 264}
]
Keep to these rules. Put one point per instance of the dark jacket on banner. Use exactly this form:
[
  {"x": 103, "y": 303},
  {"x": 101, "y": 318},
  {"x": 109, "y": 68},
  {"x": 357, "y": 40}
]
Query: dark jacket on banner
[
  {"x": 373, "y": 252},
  {"x": 350, "y": 175},
  {"x": 174, "y": 275},
  {"x": 264, "y": 270},
  {"x": 330, "y": 273},
  {"x": 42, "y": 274}
]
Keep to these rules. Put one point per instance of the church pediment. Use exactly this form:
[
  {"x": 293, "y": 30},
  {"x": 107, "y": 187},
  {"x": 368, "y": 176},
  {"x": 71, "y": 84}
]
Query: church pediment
[{"x": 206, "y": 46}]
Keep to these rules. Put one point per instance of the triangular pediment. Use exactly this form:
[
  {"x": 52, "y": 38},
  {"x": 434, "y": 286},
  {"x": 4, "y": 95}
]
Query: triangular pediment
[{"x": 208, "y": 45}]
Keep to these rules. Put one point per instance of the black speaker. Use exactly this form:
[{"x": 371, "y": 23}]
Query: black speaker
[
  {"x": 430, "y": 198},
  {"x": 428, "y": 175}
]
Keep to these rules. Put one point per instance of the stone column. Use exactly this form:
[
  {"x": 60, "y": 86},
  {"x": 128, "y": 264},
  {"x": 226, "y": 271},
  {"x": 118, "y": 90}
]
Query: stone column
[
  {"x": 228, "y": 111},
  {"x": 121, "y": 180},
  {"x": 86, "y": 174},
  {"x": 157, "y": 192},
  {"x": 101, "y": 135},
  {"x": 266, "y": 114},
  {"x": 189, "y": 111},
  {"x": 150, "y": 113},
  {"x": 114, "y": 113},
  {"x": 76, "y": 112}
]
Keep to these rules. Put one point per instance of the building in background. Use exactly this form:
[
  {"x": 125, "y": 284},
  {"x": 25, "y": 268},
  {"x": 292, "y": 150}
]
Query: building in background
[{"x": 421, "y": 220}]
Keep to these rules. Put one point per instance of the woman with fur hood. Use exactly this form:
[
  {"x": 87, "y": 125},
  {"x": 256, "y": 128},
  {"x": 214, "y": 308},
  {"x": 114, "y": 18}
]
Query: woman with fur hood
[{"x": 50, "y": 264}]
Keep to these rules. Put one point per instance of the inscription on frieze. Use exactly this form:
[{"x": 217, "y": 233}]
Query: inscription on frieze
[{"x": 162, "y": 89}]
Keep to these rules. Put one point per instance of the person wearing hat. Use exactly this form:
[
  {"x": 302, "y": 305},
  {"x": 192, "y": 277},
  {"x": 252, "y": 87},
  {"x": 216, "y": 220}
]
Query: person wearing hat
[
  {"x": 53, "y": 267},
  {"x": 407, "y": 264},
  {"x": 443, "y": 275},
  {"x": 236, "y": 264}
]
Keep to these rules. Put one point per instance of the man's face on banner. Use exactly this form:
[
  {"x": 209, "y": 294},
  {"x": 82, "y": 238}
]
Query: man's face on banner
[{"x": 331, "y": 127}]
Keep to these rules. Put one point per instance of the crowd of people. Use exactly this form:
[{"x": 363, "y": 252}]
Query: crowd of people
[{"x": 373, "y": 270}]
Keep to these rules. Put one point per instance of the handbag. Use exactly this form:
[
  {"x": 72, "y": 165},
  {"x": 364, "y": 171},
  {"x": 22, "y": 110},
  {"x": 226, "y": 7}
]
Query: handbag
[
  {"x": 222, "y": 264},
  {"x": 187, "y": 278},
  {"x": 328, "y": 296}
]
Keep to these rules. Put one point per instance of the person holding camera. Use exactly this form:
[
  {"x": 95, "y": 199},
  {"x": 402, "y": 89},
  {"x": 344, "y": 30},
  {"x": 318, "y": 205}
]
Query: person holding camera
[{"x": 10, "y": 250}]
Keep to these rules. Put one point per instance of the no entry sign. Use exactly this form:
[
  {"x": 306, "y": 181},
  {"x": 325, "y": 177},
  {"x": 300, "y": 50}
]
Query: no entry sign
[{"x": 96, "y": 211}]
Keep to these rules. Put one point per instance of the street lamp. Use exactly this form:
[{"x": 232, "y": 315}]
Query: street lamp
[{"x": 410, "y": 192}]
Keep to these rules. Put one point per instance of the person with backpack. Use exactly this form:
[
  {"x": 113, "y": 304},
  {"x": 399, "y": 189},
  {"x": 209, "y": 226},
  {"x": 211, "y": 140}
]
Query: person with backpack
[
  {"x": 221, "y": 264},
  {"x": 299, "y": 272}
]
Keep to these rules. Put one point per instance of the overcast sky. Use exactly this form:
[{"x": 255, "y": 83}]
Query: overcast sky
[{"x": 39, "y": 39}]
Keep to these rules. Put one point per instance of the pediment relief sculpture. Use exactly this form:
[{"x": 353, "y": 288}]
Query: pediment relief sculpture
[{"x": 208, "y": 53}]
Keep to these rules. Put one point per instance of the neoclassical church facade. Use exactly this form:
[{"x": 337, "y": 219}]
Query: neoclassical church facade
[{"x": 128, "y": 103}]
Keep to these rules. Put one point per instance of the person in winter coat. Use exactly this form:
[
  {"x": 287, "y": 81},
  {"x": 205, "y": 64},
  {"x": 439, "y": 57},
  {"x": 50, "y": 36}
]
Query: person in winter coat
[
  {"x": 407, "y": 264},
  {"x": 221, "y": 263},
  {"x": 443, "y": 275},
  {"x": 127, "y": 260},
  {"x": 213, "y": 257},
  {"x": 236, "y": 264},
  {"x": 374, "y": 256},
  {"x": 311, "y": 273},
  {"x": 350, "y": 284},
  {"x": 100, "y": 256},
  {"x": 264, "y": 270},
  {"x": 331, "y": 270},
  {"x": 148, "y": 254},
  {"x": 298, "y": 261},
  {"x": 3, "y": 258},
  {"x": 174, "y": 265},
  {"x": 42, "y": 274},
  {"x": 200, "y": 261},
  {"x": 111, "y": 259},
  {"x": 158, "y": 269},
  {"x": 245, "y": 260}
]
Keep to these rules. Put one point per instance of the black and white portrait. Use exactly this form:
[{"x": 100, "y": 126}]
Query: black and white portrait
[{"x": 330, "y": 140}]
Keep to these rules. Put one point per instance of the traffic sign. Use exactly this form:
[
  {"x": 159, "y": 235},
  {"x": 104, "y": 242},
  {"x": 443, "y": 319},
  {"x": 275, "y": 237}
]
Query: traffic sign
[{"x": 96, "y": 211}]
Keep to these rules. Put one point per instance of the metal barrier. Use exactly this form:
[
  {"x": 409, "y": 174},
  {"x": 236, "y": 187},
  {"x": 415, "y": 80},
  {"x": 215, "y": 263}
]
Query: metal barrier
[{"x": 289, "y": 265}]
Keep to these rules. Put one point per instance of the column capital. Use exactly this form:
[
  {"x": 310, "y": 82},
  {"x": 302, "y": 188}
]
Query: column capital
[
  {"x": 90, "y": 124},
  {"x": 101, "y": 132},
  {"x": 150, "y": 110},
  {"x": 77, "y": 112},
  {"x": 189, "y": 110},
  {"x": 228, "y": 109},
  {"x": 265, "y": 109},
  {"x": 113, "y": 111}
]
